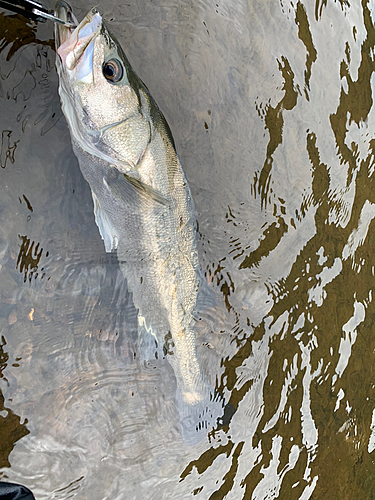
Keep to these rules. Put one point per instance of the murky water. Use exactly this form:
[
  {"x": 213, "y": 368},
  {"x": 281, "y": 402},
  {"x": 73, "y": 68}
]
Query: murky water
[{"x": 271, "y": 107}]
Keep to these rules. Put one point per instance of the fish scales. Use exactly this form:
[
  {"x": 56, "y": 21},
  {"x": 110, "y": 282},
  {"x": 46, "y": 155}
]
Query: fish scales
[{"x": 142, "y": 201}]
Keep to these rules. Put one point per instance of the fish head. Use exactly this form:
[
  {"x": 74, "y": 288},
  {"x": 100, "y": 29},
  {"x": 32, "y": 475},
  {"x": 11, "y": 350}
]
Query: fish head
[{"x": 94, "y": 76}]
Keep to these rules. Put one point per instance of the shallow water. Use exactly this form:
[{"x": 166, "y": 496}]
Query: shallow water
[{"x": 271, "y": 108}]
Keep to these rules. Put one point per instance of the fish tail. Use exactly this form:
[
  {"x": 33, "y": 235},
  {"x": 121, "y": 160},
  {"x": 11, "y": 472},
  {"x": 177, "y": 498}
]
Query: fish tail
[{"x": 197, "y": 420}]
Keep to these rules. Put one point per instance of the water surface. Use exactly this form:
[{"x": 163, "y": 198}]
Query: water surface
[{"x": 271, "y": 107}]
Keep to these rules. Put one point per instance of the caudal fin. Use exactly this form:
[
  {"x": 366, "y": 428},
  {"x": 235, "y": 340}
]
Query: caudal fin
[{"x": 197, "y": 420}]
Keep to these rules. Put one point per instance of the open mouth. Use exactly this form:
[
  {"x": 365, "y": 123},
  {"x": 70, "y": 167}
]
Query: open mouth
[
  {"x": 64, "y": 11},
  {"x": 72, "y": 43}
]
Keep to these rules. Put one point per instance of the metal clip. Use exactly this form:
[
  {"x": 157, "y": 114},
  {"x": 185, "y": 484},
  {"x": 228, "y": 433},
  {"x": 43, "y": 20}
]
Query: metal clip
[{"x": 34, "y": 11}]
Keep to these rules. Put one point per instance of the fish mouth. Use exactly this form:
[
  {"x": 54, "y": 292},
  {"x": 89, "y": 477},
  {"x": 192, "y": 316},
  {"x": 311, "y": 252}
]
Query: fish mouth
[
  {"x": 72, "y": 42},
  {"x": 64, "y": 12}
]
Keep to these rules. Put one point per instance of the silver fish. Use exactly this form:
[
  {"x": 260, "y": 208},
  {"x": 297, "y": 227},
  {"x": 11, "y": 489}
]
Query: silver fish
[{"x": 142, "y": 201}]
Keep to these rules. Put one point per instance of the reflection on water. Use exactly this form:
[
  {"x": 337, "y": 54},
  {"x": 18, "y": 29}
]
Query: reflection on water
[{"x": 271, "y": 107}]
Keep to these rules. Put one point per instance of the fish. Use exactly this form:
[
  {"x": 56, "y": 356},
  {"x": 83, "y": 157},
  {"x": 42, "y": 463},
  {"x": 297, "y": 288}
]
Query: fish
[{"x": 142, "y": 201}]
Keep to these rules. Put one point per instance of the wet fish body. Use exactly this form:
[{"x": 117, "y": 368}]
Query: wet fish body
[{"x": 142, "y": 201}]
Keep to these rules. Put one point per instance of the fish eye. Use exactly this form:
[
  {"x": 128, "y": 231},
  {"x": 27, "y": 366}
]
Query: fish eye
[{"x": 113, "y": 70}]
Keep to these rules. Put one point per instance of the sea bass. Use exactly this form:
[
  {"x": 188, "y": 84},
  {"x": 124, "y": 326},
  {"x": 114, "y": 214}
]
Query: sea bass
[{"x": 142, "y": 201}]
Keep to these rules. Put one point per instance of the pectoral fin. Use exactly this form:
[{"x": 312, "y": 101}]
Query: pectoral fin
[{"x": 132, "y": 192}]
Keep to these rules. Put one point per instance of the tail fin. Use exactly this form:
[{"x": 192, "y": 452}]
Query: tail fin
[{"x": 199, "y": 419}]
